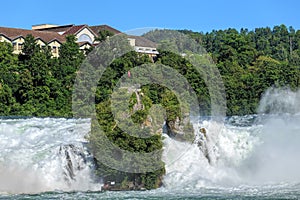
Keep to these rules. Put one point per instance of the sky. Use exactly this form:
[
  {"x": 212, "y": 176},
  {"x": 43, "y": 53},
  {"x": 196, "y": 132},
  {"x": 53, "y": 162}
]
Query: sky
[{"x": 125, "y": 15}]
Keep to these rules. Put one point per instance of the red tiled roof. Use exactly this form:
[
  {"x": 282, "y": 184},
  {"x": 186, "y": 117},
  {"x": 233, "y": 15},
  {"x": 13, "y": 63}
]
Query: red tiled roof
[
  {"x": 46, "y": 36},
  {"x": 98, "y": 28},
  {"x": 142, "y": 42},
  {"x": 4, "y": 36},
  {"x": 83, "y": 43},
  {"x": 74, "y": 29},
  {"x": 52, "y": 33}
]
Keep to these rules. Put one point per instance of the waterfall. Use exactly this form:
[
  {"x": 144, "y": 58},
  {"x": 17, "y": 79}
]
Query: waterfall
[
  {"x": 248, "y": 150},
  {"x": 38, "y": 155},
  {"x": 211, "y": 160},
  {"x": 48, "y": 154}
]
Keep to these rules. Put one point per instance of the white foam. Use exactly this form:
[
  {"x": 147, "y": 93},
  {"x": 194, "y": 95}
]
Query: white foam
[
  {"x": 33, "y": 155},
  {"x": 245, "y": 151}
]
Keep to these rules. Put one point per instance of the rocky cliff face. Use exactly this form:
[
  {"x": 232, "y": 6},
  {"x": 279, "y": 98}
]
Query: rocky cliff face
[
  {"x": 180, "y": 129},
  {"x": 158, "y": 122}
]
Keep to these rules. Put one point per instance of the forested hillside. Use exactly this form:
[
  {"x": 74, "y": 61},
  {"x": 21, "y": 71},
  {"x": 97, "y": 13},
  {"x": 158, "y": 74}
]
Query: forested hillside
[
  {"x": 36, "y": 84},
  {"x": 252, "y": 61}
]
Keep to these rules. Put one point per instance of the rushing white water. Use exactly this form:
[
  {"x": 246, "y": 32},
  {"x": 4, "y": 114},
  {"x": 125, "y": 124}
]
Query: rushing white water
[
  {"x": 193, "y": 170},
  {"x": 47, "y": 154},
  {"x": 249, "y": 150},
  {"x": 255, "y": 155}
]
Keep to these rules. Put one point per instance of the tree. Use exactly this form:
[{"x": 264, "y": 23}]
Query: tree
[
  {"x": 8, "y": 66},
  {"x": 30, "y": 47},
  {"x": 270, "y": 72},
  {"x": 7, "y": 57},
  {"x": 7, "y": 101},
  {"x": 70, "y": 55},
  {"x": 103, "y": 35}
]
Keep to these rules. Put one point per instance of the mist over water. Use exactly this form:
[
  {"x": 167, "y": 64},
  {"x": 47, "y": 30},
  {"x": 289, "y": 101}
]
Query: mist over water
[
  {"x": 254, "y": 150},
  {"x": 277, "y": 158},
  {"x": 280, "y": 101}
]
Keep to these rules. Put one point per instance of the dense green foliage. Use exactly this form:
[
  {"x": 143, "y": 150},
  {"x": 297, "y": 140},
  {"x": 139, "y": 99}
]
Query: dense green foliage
[
  {"x": 252, "y": 61},
  {"x": 153, "y": 94},
  {"x": 119, "y": 137},
  {"x": 103, "y": 34},
  {"x": 36, "y": 84}
]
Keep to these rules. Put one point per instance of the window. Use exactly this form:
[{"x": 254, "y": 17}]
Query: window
[
  {"x": 85, "y": 38},
  {"x": 20, "y": 46},
  {"x": 14, "y": 46},
  {"x": 54, "y": 49}
]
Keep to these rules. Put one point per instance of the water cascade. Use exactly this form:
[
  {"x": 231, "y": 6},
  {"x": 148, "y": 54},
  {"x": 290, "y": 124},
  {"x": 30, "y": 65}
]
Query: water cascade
[
  {"x": 255, "y": 153},
  {"x": 252, "y": 150},
  {"x": 45, "y": 155}
]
